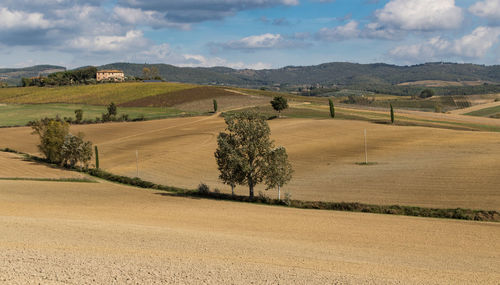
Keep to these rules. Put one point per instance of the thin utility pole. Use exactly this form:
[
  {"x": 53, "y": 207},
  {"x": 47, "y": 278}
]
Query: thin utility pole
[
  {"x": 366, "y": 150},
  {"x": 137, "y": 162}
]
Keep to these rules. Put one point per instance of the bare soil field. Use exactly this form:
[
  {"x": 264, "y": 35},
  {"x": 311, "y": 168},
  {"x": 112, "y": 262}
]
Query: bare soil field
[
  {"x": 199, "y": 99},
  {"x": 13, "y": 166},
  {"x": 418, "y": 166},
  {"x": 103, "y": 233}
]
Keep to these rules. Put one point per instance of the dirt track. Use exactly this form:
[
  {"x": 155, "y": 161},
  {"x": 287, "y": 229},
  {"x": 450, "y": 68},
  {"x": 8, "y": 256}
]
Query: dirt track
[
  {"x": 88, "y": 233},
  {"x": 415, "y": 165}
]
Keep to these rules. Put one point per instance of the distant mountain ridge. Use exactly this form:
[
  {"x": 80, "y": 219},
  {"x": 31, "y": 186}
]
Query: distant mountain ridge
[
  {"x": 335, "y": 73},
  {"x": 341, "y": 74}
]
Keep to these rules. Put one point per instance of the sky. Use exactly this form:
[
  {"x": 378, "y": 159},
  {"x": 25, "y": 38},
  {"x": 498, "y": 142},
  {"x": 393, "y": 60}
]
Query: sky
[{"x": 255, "y": 34}]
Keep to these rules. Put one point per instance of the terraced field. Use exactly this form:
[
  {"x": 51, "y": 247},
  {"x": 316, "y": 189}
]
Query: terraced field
[
  {"x": 59, "y": 233},
  {"x": 419, "y": 166}
]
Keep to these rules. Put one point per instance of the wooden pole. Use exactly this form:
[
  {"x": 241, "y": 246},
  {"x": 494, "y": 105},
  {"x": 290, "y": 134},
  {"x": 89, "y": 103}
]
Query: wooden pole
[
  {"x": 366, "y": 150},
  {"x": 137, "y": 162}
]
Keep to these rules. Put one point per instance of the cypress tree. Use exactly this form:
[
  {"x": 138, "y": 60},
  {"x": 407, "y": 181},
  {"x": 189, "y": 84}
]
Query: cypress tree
[
  {"x": 96, "y": 157},
  {"x": 332, "y": 108},
  {"x": 215, "y": 106},
  {"x": 392, "y": 114}
]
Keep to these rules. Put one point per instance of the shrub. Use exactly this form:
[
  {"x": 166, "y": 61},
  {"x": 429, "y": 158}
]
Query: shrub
[
  {"x": 203, "y": 189},
  {"x": 112, "y": 109},
  {"x": 79, "y": 115},
  {"x": 426, "y": 93},
  {"x": 124, "y": 117},
  {"x": 288, "y": 199}
]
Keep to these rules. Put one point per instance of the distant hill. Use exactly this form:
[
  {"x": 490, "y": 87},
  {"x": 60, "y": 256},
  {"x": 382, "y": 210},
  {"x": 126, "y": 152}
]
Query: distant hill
[
  {"x": 378, "y": 77},
  {"x": 335, "y": 73},
  {"x": 13, "y": 75}
]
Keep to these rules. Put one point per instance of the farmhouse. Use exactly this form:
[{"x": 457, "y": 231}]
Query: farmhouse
[{"x": 110, "y": 74}]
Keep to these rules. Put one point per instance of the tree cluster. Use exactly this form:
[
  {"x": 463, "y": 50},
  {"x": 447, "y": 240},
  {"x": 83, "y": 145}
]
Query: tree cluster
[
  {"x": 58, "y": 145},
  {"x": 85, "y": 75},
  {"x": 246, "y": 155}
]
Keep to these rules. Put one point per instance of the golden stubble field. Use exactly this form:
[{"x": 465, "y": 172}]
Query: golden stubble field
[
  {"x": 104, "y": 233},
  {"x": 415, "y": 165}
]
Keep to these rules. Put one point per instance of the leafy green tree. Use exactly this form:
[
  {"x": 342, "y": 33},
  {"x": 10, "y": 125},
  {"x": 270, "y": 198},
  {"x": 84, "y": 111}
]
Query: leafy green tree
[
  {"x": 79, "y": 115},
  {"x": 279, "y": 170},
  {"x": 332, "y": 108},
  {"x": 75, "y": 150},
  {"x": 52, "y": 133},
  {"x": 228, "y": 161},
  {"x": 245, "y": 147},
  {"x": 112, "y": 109},
  {"x": 392, "y": 114},
  {"x": 279, "y": 104},
  {"x": 427, "y": 93}
]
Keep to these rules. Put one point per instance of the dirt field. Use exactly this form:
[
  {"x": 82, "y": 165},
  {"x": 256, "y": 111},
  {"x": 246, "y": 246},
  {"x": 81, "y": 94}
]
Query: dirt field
[
  {"x": 88, "y": 233},
  {"x": 13, "y": 166},
  {"x": 415, "y": 165},
  {"x": 200, "y": 99}
]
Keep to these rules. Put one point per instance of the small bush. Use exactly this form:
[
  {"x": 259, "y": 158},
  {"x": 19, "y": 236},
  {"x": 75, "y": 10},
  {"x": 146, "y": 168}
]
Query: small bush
[
  {"x": 203, "y": 189},
  {"x": 263, "y": 198},
  {"x": 288, "y": 199}
]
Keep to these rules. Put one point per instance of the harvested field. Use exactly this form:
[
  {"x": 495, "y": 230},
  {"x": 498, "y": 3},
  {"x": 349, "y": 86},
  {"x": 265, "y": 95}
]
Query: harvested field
[
  {"x": 418, "y": 166},
  {"x": 199, "y": 99},
  {"x": 13, "y": 166},
  {"x": 54, "y": 233}
]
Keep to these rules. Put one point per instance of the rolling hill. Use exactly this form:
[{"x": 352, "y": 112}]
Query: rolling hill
[
  {"x": 335, "y": 73},
  {"x": 13, "y": 75}
]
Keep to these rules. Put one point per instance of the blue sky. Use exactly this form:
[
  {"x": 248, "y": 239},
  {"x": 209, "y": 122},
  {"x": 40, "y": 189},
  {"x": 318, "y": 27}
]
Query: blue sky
[{"x": 248, "y": 33}]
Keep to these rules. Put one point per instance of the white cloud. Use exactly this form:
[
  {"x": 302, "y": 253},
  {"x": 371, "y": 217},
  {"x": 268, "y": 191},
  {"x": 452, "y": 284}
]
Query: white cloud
[
  {"x": 347, "y": 31},
  {"x": 261, "y": 42},
  {"x": 196, "y": 60},
  {"x": 422, "y": 15},
  {"x": 478, "y": 42},
  {"x": 10, "y": 19},
  {"x": 257, "y": 42},
  {"x": 131, "y": 40},
  {"x": 136, "y": 16},
  {"x": 489, "y": 9},
  {"x": 473, "y": 45}
]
